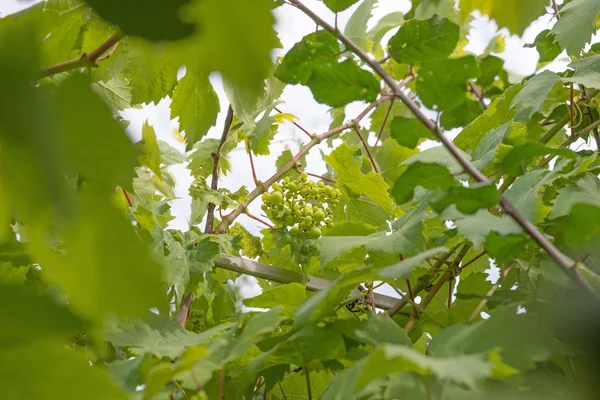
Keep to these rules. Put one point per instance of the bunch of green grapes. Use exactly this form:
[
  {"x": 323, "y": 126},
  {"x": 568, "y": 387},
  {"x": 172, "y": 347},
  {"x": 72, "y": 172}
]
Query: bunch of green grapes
[
  {"x": 196, "y": 321},
  {"x": 304, "y": 206}
]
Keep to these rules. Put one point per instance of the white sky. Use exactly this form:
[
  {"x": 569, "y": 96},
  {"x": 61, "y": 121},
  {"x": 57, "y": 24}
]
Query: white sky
[{"x": 291, "y": 26}]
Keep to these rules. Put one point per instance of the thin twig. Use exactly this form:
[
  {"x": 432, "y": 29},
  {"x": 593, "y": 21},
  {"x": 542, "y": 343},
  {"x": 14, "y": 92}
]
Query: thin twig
[
  {"x": 109, "y": 53},
  {"x": 282, "y": 392},
  {"x": 478, "y": 95},
  {"x": 256, "y": 181},
  {"x": 484, "y": 301},
  {"x": 254, "y": 217},
  {"x": 229, "y": 218},
  {"x": 127, "y": 197},
  {"x": 555, "y": 6},
  {"x": 566, "y": 264},
  {"x": 221, "y": 384},
  {"x": 472, "y": 260},
  {"x": 571, "y": 112},
  {"x": 297, "y": 125},
  {"x": 298, "y": 170},
  {"x": 385, "y": 119},
  {"x": 181, "y": 390},
  {"x": 308, "y": 389},
  {"x": 85, "y": 60},
  {"x": 366, "y": 146},
  {"x": 210, "y": 213}
]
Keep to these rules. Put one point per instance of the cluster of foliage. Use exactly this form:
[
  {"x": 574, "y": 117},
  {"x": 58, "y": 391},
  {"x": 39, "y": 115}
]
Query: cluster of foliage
[{"x": 101, "y": 300}]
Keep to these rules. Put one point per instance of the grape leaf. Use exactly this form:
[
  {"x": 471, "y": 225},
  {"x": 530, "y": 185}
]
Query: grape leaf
[
  {"x": 403, "y": 269},
  {"x": 290, "y": 296},
  {"x": 520, "y": 156},
  {"x": 339, "y": 84},
  {"x": 582, "y": 231},
  {"x": 314, "y": 49},
  {"x": 356, "y": 27},
  {"x": 384, "y": 25},
  {"x": 429, "y": 176},
  {"x": 420, "y": 41},
  {"x": 586, "y": 190},
  {"x": 469, "y": 200},
  {"x": 442, "y": 84},
  {"x": 531, "y": 98},
  {"x": 197, "y": 106},
  {"x": 546, "y": 47},
  {"x": 476, "y": 227},
  {"x": 576, "y": 25},
  {"x": 159, "y": 21},
  {"x": 150, "y": 153},
  {"x": 153, "y": 76},
  {"x": 339, "y": 5},
  {"x": 512, "y": 14},
  {"x": 408, "y": 131},
  {"x": 587, "y": 72}
]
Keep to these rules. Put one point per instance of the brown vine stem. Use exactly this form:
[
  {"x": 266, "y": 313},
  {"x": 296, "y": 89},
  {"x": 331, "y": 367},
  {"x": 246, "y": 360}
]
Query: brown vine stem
[
  {"x": 436, "y": 288},
  {"x": 85, "y": 60},
  {"x": 316, "y": 139},
  {"x": 221, "y": 384},
  {"x": 254, "y": 217},
  {"x": 296, "y": 124},
  {"x": 478, "y": 95},
  {"x": 555, "y": 6},
  {"x": 568, "y": 266},
  {"x": 366, "y": 146},
  {"x": 421, "y": 285},
  {"x": 184, "y": 310},
  {"x": 385, "y": 119},
  {"x": 210, "y": 214},
  {"x": 249, "y": 150}
]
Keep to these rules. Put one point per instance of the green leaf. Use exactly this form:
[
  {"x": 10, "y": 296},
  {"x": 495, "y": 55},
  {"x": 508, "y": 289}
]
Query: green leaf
[
  {"x": 168, "y": 154},
  {"x": 339, "y": 5},
  {"x": 442, "y": 84},
  {"x": 197, "y": 106},
  {"x": 244, "y": 26},
  {"x": 33, "y": 318},
  {"x": 44, "y": 369},
  {"x": 469, "y": 200},
  {"x": 407, "y": 241},
  {"x": 339, "y": 84},
  {"x": 385, "y": 24},
  {"x": 356, "y": 27},
  {"x": 582, "y": 231},
  {"x": 150, "y": 156},
  {"x": 546, "y": 47},
  {"x": 409, "y": 131},
  {"x": 505, "y": 248},
  {"x": 586, "y": 190},
  {"x": 290, "y": 296},
  {"x": 476, "y": 227},
  {"x": 518, "y": 157},
  {"x": 497, "y": 114},
  {"x": 380, "y": 329},
  {"x": 576, "y": 25},
  {"x": 531, "y": 98},
  {"x": 157, "y": 22},
  {"x": 157, "y": 335},
  {"x": 420, "y": 41},
  {"x": 314, "y": 49},
  {"x": 428, "y": 176},
  {"x": 153, "y": 76},
  {"x": 438, "y": 155},
  {"x": 389, "y": 158},
  {"x": 371, "y": 185},
  {"x": 520, "y": 338},
  {"x": 489, "y": 68},
  {"x": 512, "y": 14},
  {"x": 587, "y": 72},
  {"x": 461, "y": 116},
  {"x": 403, "y": 269},
  {"x": 263, "y": 133}
]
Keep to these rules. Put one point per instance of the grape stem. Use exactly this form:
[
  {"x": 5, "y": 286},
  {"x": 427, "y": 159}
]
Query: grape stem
[
  {"x": 297, "y": 124},
  {"x": 254, "y": 217},
  {"x": 316, "y": 139},
  {"x": 299, "y": 171}
]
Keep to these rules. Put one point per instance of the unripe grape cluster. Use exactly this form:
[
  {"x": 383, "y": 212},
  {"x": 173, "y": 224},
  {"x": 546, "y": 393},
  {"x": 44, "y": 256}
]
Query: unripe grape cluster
[
  {"x": 303, "y": 205},
  {"x": 197, "y": 321}
]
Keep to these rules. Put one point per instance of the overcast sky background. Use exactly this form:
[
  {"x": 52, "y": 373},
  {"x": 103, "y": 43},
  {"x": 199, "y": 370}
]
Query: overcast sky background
[{"x": 291, "y": 26}]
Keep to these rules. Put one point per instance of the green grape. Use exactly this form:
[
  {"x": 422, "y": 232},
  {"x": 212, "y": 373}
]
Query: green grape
[
  {"x": 314, "y": 191},
  {"x": 328, "y": 190},
  {"x": 314, "y": 233},
  {"x": 308, "y": 211},
  {"x": 303, "y": 177},
  {"x": 276, "y": 197},
  {"x": 288, "y": 211},
  {"x": 287, "y": 179},
  {"x": 303, "y": 192},
  {"x": 303, "y": 225},
  {"x": 320, "y": 184},
  {"x": 293, "y": 187},
  {"x": 295, "y": 231},
  {"x": 297, "y": 207},
  {"x": 210, "y": 323},
  {"x": 319, "y": 215},
  {"x": 264, "y": 207},
  {"x": 276, "y": 187},
  {"x": 290, "y": 220},
  {"x": 195, "y": 320},
  {"x": 310, "y": 183},
  {"x": 266, "y": 197},
  {"x": 307, "y": 219}
]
